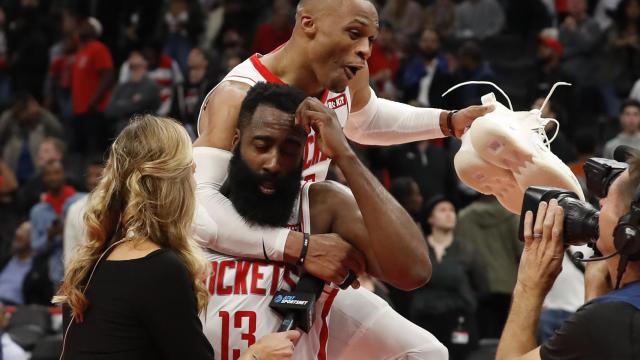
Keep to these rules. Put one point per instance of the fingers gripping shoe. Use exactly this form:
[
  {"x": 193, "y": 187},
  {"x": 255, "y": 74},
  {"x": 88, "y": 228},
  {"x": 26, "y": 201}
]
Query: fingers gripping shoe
[{"x": 516, "y": 142}]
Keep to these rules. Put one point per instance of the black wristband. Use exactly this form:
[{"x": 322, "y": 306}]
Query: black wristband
[
  {"x": 452, "y": 131},
  {"x": 305, "y": 247}
]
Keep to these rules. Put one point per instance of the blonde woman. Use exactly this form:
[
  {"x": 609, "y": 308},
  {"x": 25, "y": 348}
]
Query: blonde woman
[{"x": 135, "y": 287}]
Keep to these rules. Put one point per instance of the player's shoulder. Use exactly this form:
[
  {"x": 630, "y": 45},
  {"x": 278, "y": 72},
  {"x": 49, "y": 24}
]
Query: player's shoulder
[{"x": 329, "y": 191}]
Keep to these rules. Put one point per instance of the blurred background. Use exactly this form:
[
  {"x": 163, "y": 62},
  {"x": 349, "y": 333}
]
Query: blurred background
[{"x": 73, "y": 72}]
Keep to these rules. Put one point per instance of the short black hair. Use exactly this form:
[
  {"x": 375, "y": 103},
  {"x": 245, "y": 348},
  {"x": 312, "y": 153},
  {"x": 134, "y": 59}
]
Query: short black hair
[
  {"x": 629, "y": 102},
  {"x": 282, "y": 97}
]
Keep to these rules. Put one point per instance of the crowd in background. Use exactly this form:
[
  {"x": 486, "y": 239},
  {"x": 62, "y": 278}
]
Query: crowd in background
[{"x": 73, "y": 72}]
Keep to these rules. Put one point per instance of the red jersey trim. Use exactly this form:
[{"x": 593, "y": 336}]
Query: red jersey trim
[
  {"x": 268, "y": 75},
  {"x": 324, "y": 331}
]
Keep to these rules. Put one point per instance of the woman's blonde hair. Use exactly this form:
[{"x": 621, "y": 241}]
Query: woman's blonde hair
[{"x": 147, "y": 190}]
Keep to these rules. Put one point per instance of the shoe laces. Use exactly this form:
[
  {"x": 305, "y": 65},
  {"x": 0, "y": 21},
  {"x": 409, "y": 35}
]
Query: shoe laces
[{"x": 541, "y": 123}]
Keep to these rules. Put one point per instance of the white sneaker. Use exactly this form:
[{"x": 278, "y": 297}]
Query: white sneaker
[{"x": 515, "y": 142}]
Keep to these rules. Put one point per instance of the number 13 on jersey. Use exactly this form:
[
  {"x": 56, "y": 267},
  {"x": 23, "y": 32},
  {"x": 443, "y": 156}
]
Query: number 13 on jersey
[{"x": 237, "y": 319}]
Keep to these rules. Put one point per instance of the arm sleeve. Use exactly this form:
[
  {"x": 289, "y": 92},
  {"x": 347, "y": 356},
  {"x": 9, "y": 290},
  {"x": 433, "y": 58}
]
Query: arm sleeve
[
  {"x": 233, "y": 235},
  {"x": 171, "y": 316},
  {"x": 385, "y": 122}
]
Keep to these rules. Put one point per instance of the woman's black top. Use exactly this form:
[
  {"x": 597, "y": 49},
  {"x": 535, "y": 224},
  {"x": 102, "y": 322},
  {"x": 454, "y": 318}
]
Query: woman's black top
[{"x": 140, "y": 309}]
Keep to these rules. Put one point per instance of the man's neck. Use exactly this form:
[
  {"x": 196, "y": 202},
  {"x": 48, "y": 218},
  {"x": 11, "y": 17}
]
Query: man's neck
[
  {"x": 56, "y": 192},
  {"x": 630, "y": 132},
  {"x": 441, "y": 237},
  {"x": 291, "y": 65},
  {"x": 631, "y": 274}
]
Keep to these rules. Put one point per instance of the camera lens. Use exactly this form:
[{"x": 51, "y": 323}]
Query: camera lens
[
  {"x": 580, "y": 224},
  {"x": 580, "y": 221}
]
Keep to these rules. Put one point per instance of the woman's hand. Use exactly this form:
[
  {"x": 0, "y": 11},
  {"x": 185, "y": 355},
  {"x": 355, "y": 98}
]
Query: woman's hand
[{"x": 276, "y": 346}]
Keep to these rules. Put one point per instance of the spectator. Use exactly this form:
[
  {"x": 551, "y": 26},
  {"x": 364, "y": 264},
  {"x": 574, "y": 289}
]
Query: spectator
[
  {"x": 58, "y": 85},
  {"x": 29, "y": 37},
  {"x": 8, "y": 348},
  {"x": 51, "y": 150},
  {"x": 92, "y": 78},
  {"x": 427, "y": 76},
  {"x": 407, "y": 192},
  {"x": 440, "y": 17},
  {"x": 549, "y": 71},
  {"x": 138, "y": 95},
  {"x": 23, "y": 129},
  {"x": 8, "y": 181},
  {"x": 622, "y": 55},
  {"x": 579, "y": 35},
  {"x": 5, "y": 80},
  {"x": 428, "y": 164},
  {"x": 74, "y": 214},
  {"x": 630, "y": 125},
  {"x": 472, "y": 67},
  {"x": 47, "y": 218},
  {"x": 162, "y": 69},
  {"x": 478, "y": 19},
  {"x": 404, "y": 15},
  {"x": 189, "y": 97},
  {"x": 446, "y": 305},
  {"x": 184, "y": 22},
  {"x": 384, "y": 61},
  {"x": 492, "y": 231},
  {"x": 276, "y": 31},
  {"x": 14, "y": 268}
]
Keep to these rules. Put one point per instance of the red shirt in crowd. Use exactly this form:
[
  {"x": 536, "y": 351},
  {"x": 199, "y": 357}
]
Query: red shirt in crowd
[
  {"x": 57, "y": 202},
  {"x": 381, "y": 60},
  {"x": 90, "y": 60},
  {"x": 268, "y": 37}
]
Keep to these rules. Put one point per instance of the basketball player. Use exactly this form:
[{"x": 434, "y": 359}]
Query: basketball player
[
  {"x": 326, "y": 58},
  {"x": 264, "y": 187}
]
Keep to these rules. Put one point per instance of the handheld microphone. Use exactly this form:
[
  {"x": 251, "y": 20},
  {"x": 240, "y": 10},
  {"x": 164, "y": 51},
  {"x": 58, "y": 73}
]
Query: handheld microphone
[
  {"x": 579, "y": 256},
  {"x": 298, "y": 306}
]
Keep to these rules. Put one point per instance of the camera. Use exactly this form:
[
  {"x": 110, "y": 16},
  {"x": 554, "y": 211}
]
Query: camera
[{"x": 580, "y": 217}]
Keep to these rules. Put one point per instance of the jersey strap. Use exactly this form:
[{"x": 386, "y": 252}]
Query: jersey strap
[{"x": 629, "y": 294}]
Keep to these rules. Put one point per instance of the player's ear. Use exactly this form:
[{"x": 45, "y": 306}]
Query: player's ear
[
  {"x": 308, "y": 25},
  {"x": 236, "y": 139}
]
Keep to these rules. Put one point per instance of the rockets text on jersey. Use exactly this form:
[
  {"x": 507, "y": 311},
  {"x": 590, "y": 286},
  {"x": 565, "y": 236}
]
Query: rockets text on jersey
[{"x": 238, "y": 312}]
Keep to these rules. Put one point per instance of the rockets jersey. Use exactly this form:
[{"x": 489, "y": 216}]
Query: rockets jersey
[
  {"x": 238, "y": 312},
  {"x": 316, "y": 164}
]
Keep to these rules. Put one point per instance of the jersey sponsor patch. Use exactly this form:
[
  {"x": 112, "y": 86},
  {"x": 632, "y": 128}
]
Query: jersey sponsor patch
[{"x": 336, "y": 102}]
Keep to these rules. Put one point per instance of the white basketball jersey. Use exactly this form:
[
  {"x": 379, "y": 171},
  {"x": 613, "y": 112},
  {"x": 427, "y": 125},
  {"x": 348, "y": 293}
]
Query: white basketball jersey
[
  {"x": 316, "y": 164},
  {"x": 238, "y": 313}
]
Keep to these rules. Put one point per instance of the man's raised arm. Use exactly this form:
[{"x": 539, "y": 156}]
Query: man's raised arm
[
  {"x": 394, "y": 246},
  {"x": 376, "y": 121}
]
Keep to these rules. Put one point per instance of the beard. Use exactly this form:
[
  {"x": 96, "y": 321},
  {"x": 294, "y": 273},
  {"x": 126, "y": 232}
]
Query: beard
[{"x": 255, "y": 206}]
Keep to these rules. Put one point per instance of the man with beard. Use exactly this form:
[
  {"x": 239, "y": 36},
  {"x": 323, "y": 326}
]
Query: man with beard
[
  {"x": 264, "y": 188},
  {"x": 427, "y": 76}
]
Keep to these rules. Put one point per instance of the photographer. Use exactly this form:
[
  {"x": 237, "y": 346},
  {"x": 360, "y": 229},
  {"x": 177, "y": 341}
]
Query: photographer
[{"x": 604, "y": 327}]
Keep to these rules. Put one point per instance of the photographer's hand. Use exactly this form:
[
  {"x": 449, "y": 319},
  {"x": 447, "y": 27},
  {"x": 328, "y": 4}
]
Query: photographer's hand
[
  {"x": 541, "y": 260},
  {"x": 540, "y": 264}
]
